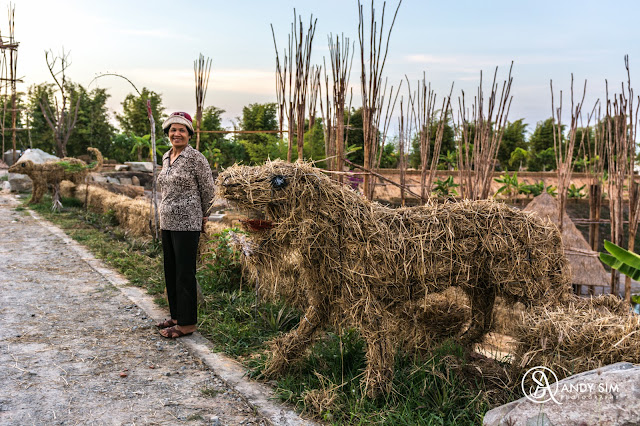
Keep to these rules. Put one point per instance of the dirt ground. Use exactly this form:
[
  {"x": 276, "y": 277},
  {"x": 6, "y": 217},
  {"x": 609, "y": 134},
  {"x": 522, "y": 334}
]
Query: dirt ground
[{"x": 75, "y": 350}]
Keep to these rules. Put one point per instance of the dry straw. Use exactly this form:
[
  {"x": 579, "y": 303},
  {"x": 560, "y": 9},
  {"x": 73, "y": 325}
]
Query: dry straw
[
  {"x": 581, "y": 335},
  {"x": 51, "y": 173},
  {"x": 351, "y": 262}
]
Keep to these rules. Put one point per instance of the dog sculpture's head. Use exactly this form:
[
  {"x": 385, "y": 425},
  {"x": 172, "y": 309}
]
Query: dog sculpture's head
[
  {"x": 23, "y": 167},
  {"x": 273, "y": 191}
]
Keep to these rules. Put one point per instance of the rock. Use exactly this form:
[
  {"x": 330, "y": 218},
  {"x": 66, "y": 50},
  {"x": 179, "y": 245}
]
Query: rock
[
  {"x": 20, "y": 183},
  {"x": 97, "y": 177},
  {"x": 135, "y": 181},
  {"x": 125, "y": 181},
  {"x": 140, "y": 166},
  {"x": 113, "y": 180},
  {"x": 6, "y": 186},
  {"x": 7, "y": 156},
  {"x": 36, "y": 155},
  {"x": 610, "y": 394},
  {"x": 121, "y": 167}
]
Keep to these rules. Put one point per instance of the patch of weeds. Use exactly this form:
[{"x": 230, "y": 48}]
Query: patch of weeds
[
  {"x": 20, "y": 209},
  {"x": 194, "y": 417},
  {"x": 221, "y": 265},
  {"x": 210, "y": 392},
  {"x": 433, "y": 390},
  {"x": 71, "y": 202},
  {"x": 4, "y": 178}
]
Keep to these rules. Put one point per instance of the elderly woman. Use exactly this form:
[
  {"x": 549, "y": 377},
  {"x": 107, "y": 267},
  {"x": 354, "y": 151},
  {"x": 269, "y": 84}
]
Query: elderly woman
[{"x": 186, "y": 184}]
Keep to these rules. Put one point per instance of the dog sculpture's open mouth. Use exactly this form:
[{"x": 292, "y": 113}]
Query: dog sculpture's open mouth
[{"x": 256, "y": 225}]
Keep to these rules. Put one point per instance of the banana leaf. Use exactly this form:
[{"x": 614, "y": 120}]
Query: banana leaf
[{"x": 628, "y": 263}]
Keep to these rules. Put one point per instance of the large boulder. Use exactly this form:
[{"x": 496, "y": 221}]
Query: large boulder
[
  {"x": 22, "y": 183},
  {"x": 140, "y": 166},
  {"x": 7, "y": 156},
  {"x": 609, "y": 396},
  {"x": 36, "y": 155}
]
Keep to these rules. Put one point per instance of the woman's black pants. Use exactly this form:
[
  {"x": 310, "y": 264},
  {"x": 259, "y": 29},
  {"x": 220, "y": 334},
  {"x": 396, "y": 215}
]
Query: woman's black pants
[{"x": 180, "y": 250}]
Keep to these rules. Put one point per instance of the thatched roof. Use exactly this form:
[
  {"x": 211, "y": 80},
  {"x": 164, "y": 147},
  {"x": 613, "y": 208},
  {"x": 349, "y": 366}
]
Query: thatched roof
[{"x": 586, "y": 267}]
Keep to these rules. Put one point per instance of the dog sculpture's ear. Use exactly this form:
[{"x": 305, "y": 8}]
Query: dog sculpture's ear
[{"x": 279, "y": 182}]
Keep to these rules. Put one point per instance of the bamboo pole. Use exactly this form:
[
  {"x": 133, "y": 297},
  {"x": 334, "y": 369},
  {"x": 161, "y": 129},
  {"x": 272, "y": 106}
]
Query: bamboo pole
[
  {"x": 564, "y": 150},
  {"x": 202, "y": 71},
  {"x": 371, "y": 82},
  {"x": 477, "y": 157}
]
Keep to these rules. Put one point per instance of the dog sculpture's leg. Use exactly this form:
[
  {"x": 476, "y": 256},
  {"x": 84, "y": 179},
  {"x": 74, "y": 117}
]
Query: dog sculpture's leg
[
  {"x": 482, "y": 301},
  {"x": 291, "y": 346},
  {"x": 37, "y": 193},
  {"x": 380, "y": 355}
]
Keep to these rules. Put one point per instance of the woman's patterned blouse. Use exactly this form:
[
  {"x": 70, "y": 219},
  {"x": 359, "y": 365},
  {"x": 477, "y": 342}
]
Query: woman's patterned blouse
[{"x": 187, "y": 190}]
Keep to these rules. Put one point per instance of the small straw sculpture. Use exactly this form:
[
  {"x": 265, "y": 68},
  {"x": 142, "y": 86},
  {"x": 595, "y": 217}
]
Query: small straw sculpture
[
  {"x": 347, "y": 261},
  {"x": 578, "y": 336},
  {"x": 51, "y": 173}
]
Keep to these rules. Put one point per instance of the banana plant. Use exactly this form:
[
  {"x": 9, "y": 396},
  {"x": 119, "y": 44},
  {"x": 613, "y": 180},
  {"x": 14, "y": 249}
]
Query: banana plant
[
  {"x": 625, "y": 261},
  {"x": 510, "y": 185}
]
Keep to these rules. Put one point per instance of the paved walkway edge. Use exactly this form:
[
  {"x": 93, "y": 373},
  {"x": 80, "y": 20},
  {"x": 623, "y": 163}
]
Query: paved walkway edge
[{"x": 261, "y": 397}]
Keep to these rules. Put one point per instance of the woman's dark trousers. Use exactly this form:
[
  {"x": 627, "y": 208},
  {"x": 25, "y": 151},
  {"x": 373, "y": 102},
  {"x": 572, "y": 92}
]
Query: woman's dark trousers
[{"x": 180, "y": 250}]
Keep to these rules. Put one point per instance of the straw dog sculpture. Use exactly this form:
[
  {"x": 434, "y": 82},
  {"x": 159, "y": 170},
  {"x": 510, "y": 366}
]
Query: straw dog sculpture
[
  {"x": 347, "y": 261},
  {"x": 52, "y": 173}
]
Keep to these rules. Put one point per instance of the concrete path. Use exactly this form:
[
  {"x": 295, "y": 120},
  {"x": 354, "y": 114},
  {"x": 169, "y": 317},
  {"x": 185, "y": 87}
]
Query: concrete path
[{"x": 79, "y": 346}]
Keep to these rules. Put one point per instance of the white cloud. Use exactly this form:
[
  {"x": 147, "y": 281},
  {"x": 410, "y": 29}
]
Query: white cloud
[
  {"x": 156, "y": 33},
  {"x": 237, "y": 80}
]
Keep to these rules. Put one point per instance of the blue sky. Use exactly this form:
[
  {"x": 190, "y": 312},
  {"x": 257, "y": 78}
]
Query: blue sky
[{"x": 154, "y": 43}]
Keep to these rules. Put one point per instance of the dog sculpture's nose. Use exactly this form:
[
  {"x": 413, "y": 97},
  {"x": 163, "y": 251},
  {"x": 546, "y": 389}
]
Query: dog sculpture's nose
[{"x": 227, "y": 184}]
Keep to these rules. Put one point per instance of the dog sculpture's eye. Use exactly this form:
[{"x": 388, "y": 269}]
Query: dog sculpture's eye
[
  {"x": 24, "y": 164},
  {"x": 278, "y": 182}
]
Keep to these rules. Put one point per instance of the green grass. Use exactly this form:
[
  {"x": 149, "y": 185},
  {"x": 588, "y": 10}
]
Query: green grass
[{"x": 439, "y": 389}]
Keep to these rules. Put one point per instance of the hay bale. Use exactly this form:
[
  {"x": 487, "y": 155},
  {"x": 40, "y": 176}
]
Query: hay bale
[
  {"x": 367, "y": 266},
  {"x": 582, "y": 335}
]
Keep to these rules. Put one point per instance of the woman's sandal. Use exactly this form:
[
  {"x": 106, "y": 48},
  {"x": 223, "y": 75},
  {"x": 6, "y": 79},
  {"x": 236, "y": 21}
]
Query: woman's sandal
[
  {"x": 174, "y": 333},
  {"x": 166, "y": 324}
]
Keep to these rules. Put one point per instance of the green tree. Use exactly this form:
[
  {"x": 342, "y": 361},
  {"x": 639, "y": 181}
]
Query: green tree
[
  {"x": 514, "y": 137},
  {"x": 314, "y": 143},
  {"x": 120, "y": 147},
  {"x": 134, "y": 117},
  {"x": 93, "y": 127},
  {"x": 22, "y": 138},
  {"x": 448, "y": 142},
  {"x": 211, "y": 121},
  {"x": 354, "y": 136},
  {"x": 389, "y": 158},
  {"x": 222, "y": 151},
  {"x": 260, "y": 146},
  {"x": 542, "y": 154},
  {"x": 41, "y": 134}
]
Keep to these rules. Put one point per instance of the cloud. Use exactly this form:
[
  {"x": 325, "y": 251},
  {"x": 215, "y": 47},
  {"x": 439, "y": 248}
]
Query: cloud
[
  {"x": 235, "y": 80},
  {"x": 472, "y": 62},
  {"x": 156, "y": 33}
]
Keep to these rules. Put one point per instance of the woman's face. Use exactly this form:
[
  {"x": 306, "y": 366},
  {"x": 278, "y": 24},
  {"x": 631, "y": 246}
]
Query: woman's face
[{"x": 179, "y": 135}]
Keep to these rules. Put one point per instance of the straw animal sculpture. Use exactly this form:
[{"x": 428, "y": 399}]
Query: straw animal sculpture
[
  {"x": 51, "y": 173},
  {"x": 347, "y": 261},
  {"x": 580, "y": 335}
]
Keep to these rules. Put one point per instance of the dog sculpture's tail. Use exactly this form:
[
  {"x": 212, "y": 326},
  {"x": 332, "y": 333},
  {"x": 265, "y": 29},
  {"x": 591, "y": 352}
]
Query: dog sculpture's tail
[{"x": 99, "y": 159}]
